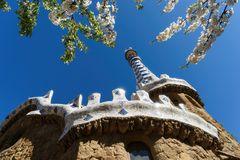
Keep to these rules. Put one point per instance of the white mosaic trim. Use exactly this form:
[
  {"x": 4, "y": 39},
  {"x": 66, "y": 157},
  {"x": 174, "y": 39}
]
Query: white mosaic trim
[
  {"x": 165, "y": 80},
  {"x": 76, "y": 114}
]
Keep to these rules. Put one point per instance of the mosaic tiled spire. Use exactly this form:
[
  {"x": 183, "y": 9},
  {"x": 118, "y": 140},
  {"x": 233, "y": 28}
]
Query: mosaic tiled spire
[{"x": 142, "y": 74}]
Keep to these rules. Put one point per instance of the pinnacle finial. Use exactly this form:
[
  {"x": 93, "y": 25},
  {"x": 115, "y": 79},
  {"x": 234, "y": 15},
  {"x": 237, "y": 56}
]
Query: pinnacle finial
[
  {"x": 130, "y": 48},
  {"x": 77, "y": 102},
  {"x": 129, "y": 53},
  {"x": 49, "y": 95},
  {"x": 142, "y": 74}
]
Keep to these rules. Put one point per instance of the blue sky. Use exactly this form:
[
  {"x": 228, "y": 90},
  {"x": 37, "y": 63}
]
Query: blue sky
[{"x": 31, "y": 66}]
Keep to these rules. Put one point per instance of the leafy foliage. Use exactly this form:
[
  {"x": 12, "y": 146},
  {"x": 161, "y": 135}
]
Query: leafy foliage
[
  {"x": 4, "y": 6},
  {"x": 212, "y": 16},
  {"x": 71, "y": 41},
  {"x": 79, "y": 18},
  {"x": 27, "y": 15}
]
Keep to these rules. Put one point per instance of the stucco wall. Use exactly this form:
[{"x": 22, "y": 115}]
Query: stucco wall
[{"x": 38, "y": 139}]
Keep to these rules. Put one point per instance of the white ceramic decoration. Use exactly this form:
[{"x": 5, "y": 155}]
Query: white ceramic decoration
[
  {"x": 182, "y": 106},
  {"x": 119, "y": 95},
  {"x": 143, "y": 96},
  {"x": 94, "y": 99},
  {"x": 164, "y": 100},
  {"x": 77, "y": 102}
]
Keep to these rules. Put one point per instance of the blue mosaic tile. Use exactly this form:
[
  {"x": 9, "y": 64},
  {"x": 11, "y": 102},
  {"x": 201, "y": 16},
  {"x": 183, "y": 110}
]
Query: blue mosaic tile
[
  {"x": 87, "y": 117},
  {"x": 123, "y": 112}
]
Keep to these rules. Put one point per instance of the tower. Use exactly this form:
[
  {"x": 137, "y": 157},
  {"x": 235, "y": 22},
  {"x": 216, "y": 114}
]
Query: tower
[
  {"x": 142, "y": 74},
  {"x": 165, "y": 119}
]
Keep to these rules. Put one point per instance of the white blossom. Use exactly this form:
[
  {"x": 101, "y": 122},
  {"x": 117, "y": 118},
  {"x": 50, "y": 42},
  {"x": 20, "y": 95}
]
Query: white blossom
[
  {"x": 231, "y": 2},
  {"x": 193, "y": 26},
  {"x": 170, "y": 6},
  {"x": 98, "y": 6},
  {"x": 86, "y": 3},
  {"x": 212, "y": 16},
  {"x": 171, "y": 30},
  {"x": 69, "y": 6},
  {"x": 214, "y": 20},
  {"x": 107, "y": 21},
  {"x": 139, "y": 1},
  {"x": 56, "y": 17}
]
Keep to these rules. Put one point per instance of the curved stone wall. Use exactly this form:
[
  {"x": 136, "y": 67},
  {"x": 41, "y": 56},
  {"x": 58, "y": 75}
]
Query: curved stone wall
[
  {"x": 174, "y": 85},
  {"x": 85, "y": 131},
  {"x": 91, "y": 118}
]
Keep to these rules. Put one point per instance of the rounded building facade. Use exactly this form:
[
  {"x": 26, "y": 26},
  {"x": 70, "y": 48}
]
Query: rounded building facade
[{"x": 164, "y": 119}]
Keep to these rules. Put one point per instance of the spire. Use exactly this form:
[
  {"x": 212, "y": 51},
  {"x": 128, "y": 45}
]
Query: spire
[{"x": 142, "y": 74}]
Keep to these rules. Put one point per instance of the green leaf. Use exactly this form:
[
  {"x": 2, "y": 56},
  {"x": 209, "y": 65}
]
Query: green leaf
[
  {"x": 4, "y": 6},
  {"x": 27, "y": 15}
]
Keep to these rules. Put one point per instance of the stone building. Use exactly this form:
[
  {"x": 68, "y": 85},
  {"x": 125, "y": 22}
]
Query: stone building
[{"x": 165, "y": 119}]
